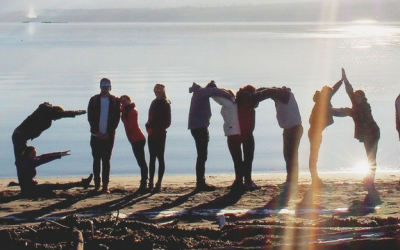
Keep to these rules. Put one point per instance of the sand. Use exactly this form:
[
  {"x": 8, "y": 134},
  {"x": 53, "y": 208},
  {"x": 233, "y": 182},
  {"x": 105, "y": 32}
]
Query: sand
[
  {"x": 342, "y": 196},
  {"x": 339, "y": 215}
]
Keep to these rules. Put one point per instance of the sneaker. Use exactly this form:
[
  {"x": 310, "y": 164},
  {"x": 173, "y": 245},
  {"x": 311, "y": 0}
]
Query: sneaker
[
  {"x": 250, "y": 186},
  {"x": 204, "y": 187},
  {"x": 86, "y": 181}
]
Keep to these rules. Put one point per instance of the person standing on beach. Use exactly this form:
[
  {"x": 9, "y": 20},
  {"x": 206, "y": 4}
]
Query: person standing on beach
[
  {"x": 320, "y": 118},
  {"x": 365, "y": 128},
  {"x": 198, "y": 122},
  {"x": 40, "y": 120},
  {"x": 135, "y": 137},
  {"x": 247, "y": 99},
  {"x": 229, "y": 112},
  {"x": 103, "y": 116},
  {"x": 26, "y": 170},
  {"x": 288, "y": 116},
  {"x": 158, "y": 121}
]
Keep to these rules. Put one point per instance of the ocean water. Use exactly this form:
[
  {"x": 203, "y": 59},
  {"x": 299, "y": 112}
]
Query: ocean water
[{"x": 62, "y": 63}]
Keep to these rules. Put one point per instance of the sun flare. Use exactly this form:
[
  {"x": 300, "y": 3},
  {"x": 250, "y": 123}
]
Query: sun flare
[{"x": 361, "y": 168}]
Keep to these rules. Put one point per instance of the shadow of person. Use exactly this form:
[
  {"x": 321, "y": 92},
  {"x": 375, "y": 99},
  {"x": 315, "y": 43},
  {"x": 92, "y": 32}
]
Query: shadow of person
[
  {"x": 281, "y": 200},
  {"x": 229, "y": 199},
  {"x": 367, "y": 206}
]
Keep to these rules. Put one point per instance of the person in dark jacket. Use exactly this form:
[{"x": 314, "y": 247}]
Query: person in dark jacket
[
  {"x": 248, "y": 99},
  {"x": 158, "y": 122},
  {"x": 103, "y": 116},
  {"x": 320, "y": 118},
  {"x": 365, "y": 128},
  {"x": 130, "y": 118},
  {"x": 26, "y": 170},
  {"x": 40, "y": 120},
  {"x": 199, "y": 120}
]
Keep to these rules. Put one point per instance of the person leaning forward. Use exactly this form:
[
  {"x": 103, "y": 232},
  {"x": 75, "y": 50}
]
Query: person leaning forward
[
  {"x": 103, "y": 116},
  {"x": 40, "y": 120}
]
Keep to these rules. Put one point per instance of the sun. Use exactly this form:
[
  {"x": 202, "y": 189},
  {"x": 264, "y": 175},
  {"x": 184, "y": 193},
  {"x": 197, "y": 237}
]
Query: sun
[{"x": 361, "y": 168}]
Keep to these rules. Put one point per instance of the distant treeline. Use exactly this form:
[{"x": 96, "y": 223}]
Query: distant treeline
[{"x": 325, "y": 11}]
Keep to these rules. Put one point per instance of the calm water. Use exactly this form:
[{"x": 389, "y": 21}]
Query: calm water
[{"x": 63, "y": 63}]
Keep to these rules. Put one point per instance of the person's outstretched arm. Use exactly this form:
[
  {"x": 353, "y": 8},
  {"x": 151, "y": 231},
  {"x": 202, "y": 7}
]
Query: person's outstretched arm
[{"x": 349, "y": 88}]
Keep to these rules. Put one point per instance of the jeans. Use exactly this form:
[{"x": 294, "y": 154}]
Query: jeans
[
  {"x": 157, "y": 149},
  {"x": 201, "y": 138},
  {"x": 291, "y": 143},
  {"x": 138, "y": 151},
  {"x": 101, "y": 152}
]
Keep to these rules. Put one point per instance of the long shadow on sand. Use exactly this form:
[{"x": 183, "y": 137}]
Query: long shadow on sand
[
  {"x": 114, "y": 205},
  {"x": 212, "y": 207}
]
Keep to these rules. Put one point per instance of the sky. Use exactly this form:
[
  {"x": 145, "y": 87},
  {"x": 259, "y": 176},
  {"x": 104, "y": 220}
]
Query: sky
[{"x": 6, "y": 5}]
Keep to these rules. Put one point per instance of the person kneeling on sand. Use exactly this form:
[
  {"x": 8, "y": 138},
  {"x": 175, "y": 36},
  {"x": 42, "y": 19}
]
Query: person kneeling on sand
[{"x": 26, "y": 170}]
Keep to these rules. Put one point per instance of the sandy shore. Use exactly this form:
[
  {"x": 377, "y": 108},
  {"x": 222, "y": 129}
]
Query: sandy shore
[{"x": 343, "y": 196}]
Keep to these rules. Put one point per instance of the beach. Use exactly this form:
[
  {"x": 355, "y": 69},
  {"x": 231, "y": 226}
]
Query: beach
[{"x": 341, "y": 203}]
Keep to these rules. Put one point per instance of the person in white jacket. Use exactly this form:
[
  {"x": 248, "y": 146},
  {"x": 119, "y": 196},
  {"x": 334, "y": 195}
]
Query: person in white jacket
[
  {"x": 229, "y": 112},
  {"x": 288, "y": 116}
]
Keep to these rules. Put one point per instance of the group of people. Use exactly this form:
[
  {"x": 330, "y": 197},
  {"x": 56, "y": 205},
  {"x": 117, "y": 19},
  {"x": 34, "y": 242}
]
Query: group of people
[{"x": 238, "y": 111}]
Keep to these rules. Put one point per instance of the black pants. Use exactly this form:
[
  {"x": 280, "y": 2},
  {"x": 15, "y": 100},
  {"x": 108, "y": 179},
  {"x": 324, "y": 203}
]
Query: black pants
[
  {"x": 138, "y": 151},
  {"x": 101, "y": 152},
  {"x": 248, "y": 155},
  {"x": 291, "y": 143},
  {"x": 19, "y": 142},
  {"x": 234, "y": 143},
  {"x": 201, "y": 138},
  {"x": 157, "y": 149}
]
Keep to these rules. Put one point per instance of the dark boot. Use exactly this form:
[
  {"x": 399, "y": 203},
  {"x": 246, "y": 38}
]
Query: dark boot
[{"x": 86, "y": 181}]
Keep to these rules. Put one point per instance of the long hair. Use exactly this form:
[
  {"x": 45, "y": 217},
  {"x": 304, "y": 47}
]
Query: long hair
[{"x": 161, "y": 87}]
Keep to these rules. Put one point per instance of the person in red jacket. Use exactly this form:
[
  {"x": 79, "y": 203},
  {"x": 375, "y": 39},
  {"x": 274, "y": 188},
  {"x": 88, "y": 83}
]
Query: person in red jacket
[
  {"x": 156, "y": 126},
  {"x": 136, "y": 137}
]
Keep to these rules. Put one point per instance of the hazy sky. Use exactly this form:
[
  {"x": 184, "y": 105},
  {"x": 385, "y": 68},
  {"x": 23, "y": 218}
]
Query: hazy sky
[{"x": 6, "y": 5}]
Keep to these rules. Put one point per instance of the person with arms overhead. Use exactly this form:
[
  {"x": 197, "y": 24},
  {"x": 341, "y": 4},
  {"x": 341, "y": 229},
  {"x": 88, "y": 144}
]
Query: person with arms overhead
[
  {"x": 103, "y": 116},
  {"x": 229, "y": 112},
  {"x": 365, "y": 129},
  {"x": 320, "y": 118},
  {"x": 288, "y": 116},
  {"x": 199, "y": 120}
]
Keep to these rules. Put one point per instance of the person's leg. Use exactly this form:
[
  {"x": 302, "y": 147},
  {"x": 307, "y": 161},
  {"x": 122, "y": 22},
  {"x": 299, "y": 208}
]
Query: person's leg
[
  {"x": 291, "y": 142},
  {"x": 107, "y": 148},
  {"x": 234, "y": 142},
  {"x": 95, "y": 144},
  {"x": 138, "y": 151},
  {"x": 315, "y": 138},
  {"x": 201, "y": 138},
  {"x": 160, "y": 156},
  {"x": 371, "y": 148},
  {"x": 248, "y": 156},
  {"x": 152, "y": 143}
]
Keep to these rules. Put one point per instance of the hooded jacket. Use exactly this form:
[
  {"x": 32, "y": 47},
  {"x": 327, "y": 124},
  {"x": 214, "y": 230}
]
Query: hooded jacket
[{"x": 130, "y": 119}]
